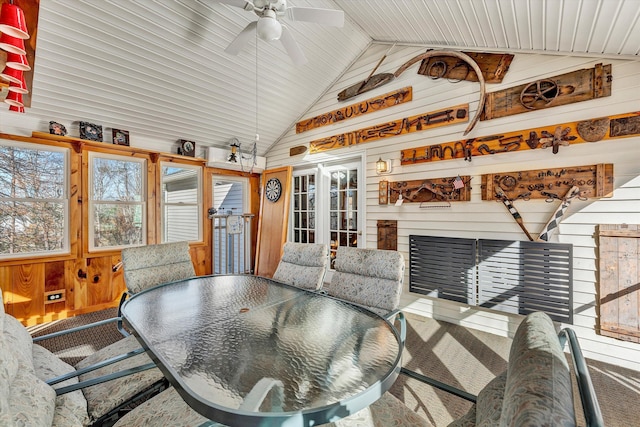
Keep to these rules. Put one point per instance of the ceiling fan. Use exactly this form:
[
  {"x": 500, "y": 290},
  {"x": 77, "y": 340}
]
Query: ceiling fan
[{"x": 269, "y": 27}]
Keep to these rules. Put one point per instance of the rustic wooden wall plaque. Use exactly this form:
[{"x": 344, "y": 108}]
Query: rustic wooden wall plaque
[
  {"x": 430, "y": 190},
  {"x": 447, "y": 116},
  {"x": 370, "y": 105},
  {"x": 383, "y": 192},
  {"x": 493, "y": 66},
  {"x": 550, "y": 184},
  {"x": 388, "y": 234},
  {"x": 553, "y": 137},
  {"x": 619, "y": 279},
  {"x": 568, "y": 88}
]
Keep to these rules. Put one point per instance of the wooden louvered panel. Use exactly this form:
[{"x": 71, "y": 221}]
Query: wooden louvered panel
[
  {"x": 522, "y": 277},
  {"x": 443, "y": 267}
]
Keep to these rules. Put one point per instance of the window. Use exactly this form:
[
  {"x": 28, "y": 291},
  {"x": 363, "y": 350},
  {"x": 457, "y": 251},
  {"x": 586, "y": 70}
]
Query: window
[
  {"x": 34, "y": 201},
  {"x": 181, "y": 203},
  {"x": 304, "y": 208},
  {"x": 325, "y": 206},
  {"x": 117, "y": 205}
]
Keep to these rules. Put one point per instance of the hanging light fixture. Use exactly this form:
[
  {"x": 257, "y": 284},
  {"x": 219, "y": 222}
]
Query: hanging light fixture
[
  {"x": 18, "y": 62},
  {"x": 233, "y": 157},
  {"x": 12, "y": 44},
  {"x": 12, "y": 21},
  {"x": 12, "y": 75},
  {"x": 269, "y": 29},
  {"x": 15, "y": 99}
]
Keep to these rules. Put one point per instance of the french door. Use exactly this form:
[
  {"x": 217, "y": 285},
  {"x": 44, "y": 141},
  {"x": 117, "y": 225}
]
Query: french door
[{"x": 326, "y": 205}]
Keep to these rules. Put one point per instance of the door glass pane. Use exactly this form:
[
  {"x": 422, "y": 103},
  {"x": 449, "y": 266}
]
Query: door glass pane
[
  {"x": 304, "y": 208},
  {"x": 343, "y": 219}
]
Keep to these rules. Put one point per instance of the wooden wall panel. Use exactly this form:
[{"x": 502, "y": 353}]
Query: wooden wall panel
[
  {"x": 273, "y": 223},
  {"x": 28, "y": 289}
]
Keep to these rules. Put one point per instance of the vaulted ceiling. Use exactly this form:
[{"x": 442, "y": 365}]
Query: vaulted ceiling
[{"x": 158, "y": 68}]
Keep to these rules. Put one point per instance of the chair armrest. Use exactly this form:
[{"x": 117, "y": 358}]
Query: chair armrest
[
  {"x": 104, "y": 378},
  {"x": 77, "y": 329},
  {"x": 590, "y": 406},
  {"x": 397, "y": 314},
  {"x": 95, "y": 366}
]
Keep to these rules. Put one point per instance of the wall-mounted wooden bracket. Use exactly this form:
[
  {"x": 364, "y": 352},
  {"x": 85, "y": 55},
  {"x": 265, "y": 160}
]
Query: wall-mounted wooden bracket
[
  {"x": 594, "y": 181},
  {"x": 430, "y": 190}
]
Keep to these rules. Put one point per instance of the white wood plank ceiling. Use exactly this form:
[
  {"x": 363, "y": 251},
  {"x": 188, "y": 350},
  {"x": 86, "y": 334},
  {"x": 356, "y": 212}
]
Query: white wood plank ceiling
[{"x": 158, "y": 68}]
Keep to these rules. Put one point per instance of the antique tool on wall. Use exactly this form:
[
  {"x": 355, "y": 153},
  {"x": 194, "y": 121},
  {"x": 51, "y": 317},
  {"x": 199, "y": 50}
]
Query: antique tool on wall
[
  {"x": 350, "y": 92},
  {"x": 417, "y": 123},
  {"x": 493, "y": 65},
  {"x": 590, "y": 130},
  {"x": 512, "y": 210},
  {"x": 554, "y": 221},
  {"x": 431, "y": 190},
  {"x": 371, "y": 82},
  {"x": 576, "y": 86},
  {"x": 551, "y": 184}
]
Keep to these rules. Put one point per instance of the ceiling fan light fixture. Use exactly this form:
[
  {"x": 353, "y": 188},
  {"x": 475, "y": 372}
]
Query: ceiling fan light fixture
[{"x": 269, "y": 29}]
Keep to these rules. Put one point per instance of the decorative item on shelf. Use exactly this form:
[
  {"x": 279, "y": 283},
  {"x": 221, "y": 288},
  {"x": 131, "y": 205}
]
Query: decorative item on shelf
[
  {"x": 120, "y": 137},
  {"x": 187, "y": 148},
  {"x": 90, "y": 131},
  {"x": 56, "y": 128},
  {"x": 12, "y": 21},
  {"x": 383, "y": 166}
]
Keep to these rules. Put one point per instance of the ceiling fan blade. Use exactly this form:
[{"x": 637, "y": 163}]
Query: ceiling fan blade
[
  {"x": 242, "y": 39},
  {"x": 292, "y": 47},
  {"x": 243, "y": 4},
  {"x": 332, "y": 17}
]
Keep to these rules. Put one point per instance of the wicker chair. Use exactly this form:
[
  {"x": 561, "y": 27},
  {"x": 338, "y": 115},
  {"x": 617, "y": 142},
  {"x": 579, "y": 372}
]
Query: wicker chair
[{"x": 302, "y": 265}]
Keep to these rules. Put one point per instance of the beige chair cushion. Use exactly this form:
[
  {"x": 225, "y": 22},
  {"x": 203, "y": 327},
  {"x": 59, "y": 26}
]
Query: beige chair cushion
[
  {"x": 302, "y": 265},
  {"x": 101, "y": 398}
]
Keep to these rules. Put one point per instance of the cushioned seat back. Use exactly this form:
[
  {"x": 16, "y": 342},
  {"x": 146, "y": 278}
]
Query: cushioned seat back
[
  {"x": 369, "y": 277},
  {"x": 148, "y": 266},
  {"x": 24, "y": 399},
  {"x": 302, "y": 265},
  {"x": 538, "y": 389}
]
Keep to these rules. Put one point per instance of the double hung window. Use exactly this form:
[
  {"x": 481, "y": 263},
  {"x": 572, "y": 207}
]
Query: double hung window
[
  {"x": 34, "y": 204},
  {"x": 117, "y": 201},
  {"x": 181, "y": 200}
]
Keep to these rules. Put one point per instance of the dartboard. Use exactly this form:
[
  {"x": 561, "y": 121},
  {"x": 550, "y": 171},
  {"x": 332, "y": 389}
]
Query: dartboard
[{"x": 273, "y": 189}]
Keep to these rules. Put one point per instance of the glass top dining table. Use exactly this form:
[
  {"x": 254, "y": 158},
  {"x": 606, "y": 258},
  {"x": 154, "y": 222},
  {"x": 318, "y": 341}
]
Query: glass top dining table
[{"x": 249, "y": 351}]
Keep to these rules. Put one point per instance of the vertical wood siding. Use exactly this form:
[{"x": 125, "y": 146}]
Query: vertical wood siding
[{"x": 488, "y": 219}]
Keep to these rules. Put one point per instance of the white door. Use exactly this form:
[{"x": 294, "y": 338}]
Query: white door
[{"x": 326, "y": 205}]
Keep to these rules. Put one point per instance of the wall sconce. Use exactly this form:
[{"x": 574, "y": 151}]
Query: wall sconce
[{"x": 383, "y": 166}]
